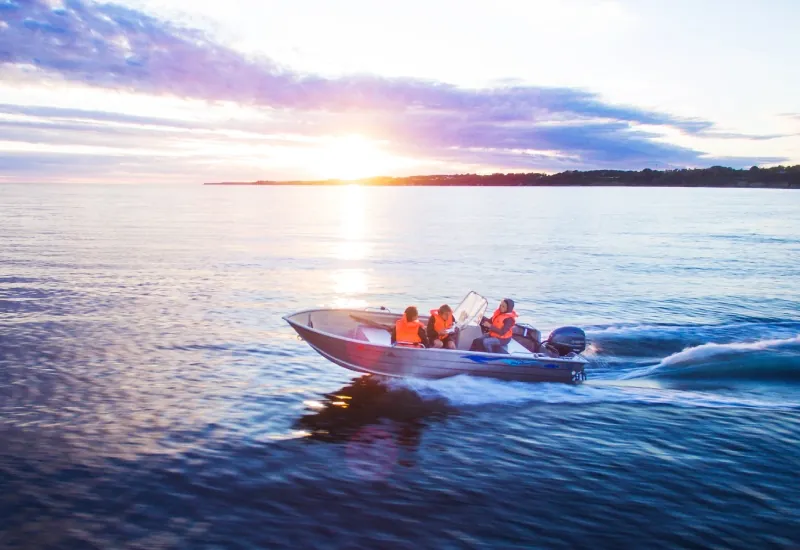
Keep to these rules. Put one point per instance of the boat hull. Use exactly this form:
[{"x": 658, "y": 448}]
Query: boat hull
[{"x": 394, "y": 361}]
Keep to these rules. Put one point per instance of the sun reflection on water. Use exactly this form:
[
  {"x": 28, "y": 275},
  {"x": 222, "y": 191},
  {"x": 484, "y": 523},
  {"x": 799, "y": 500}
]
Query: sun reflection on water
[
  {"x": 352, "y": 228},
  {"x": 351, "y": 283},
  {"x": 349, "y": 303}
]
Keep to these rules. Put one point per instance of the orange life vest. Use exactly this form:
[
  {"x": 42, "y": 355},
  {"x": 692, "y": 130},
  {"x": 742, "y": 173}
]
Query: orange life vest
[
  {"x": 440, "y": 324},
  {"x": 407, "y": 332},
  {"x": 497, "y": 324}
]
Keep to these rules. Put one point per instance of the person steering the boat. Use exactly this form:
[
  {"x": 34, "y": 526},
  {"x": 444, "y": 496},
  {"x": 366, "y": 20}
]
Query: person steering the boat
[
  {"x": 499, "y": 329},
  {"x": 440, "y": 321},
  {"x": 409, "y": 331}
]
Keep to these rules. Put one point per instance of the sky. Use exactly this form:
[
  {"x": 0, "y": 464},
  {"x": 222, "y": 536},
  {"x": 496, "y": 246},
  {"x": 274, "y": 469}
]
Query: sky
[{"x": 192, "y": 91}]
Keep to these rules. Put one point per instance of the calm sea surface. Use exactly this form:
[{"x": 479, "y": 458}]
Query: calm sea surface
[{"x": 152, "y": 397}]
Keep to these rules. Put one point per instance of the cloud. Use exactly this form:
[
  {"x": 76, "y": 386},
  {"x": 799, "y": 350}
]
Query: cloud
[
  {"x": 89, "y": 115},
  {"x": 516, "y": 126},
  {"x": 45, "y": 167},
  {"x": 55, "y": 125},
  {"x": 116, "y": 47}
]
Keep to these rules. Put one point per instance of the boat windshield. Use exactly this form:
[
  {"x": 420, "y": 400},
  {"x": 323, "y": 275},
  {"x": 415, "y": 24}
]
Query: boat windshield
[{"x": 470, "y": 310}]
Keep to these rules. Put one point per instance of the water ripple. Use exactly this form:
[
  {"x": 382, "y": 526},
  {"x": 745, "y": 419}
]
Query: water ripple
[{"x": 151, "y": 396}]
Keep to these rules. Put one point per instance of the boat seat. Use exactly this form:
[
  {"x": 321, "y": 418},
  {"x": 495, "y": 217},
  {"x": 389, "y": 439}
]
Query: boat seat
[
  {"x": 469, "y": 333},
  {"x": 373, "y": 335}
]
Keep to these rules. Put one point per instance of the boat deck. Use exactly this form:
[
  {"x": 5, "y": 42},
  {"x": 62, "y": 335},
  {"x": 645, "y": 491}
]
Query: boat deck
[{"x": 382, "y": 337}]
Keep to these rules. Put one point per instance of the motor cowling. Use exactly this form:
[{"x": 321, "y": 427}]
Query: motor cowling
[{"x": 567, "y": 340}]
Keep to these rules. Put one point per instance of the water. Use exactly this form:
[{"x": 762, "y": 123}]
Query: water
[{"x": 151, "y": 396}]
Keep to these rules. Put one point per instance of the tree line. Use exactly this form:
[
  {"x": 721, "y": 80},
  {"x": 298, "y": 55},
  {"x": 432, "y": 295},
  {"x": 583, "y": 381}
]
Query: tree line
[{"x": 780, "y": 177}]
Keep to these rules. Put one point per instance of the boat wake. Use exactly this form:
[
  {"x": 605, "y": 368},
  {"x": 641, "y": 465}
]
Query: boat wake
[
  {"x": 659, "y": 341},
  {"x": 766, "y": 350},
  {"x": 468, "y": 391},
  {"x": 774, "y": 359},
  {"x": 625, "y": 368}
]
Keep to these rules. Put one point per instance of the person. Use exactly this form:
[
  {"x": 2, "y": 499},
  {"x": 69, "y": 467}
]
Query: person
[
  {"x": 499, "y": 329},
  {"x": 441, "y": 319},
  {"x": 409, "y": 331}
]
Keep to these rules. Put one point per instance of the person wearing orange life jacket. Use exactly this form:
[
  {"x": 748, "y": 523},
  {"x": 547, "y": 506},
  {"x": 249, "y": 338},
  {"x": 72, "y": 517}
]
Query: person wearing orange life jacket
[
  {"x": 499, "y": 329},
  {"x": 409, "y": 331},
  {"x": 441, "y": 319}
]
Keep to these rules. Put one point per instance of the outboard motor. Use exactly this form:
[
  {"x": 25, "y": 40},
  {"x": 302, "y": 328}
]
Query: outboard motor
[{"x": 567, "y": 340}]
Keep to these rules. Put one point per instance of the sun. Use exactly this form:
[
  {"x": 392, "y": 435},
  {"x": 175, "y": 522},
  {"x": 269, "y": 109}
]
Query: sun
[{"x": 353, "y": 157}]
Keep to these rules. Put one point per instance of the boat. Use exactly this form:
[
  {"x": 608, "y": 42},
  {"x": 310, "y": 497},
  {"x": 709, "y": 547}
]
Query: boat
[{"x": 360, "y": 340}]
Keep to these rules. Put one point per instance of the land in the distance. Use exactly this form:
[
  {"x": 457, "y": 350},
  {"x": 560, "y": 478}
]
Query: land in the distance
[{"x": 779, "y": 177}]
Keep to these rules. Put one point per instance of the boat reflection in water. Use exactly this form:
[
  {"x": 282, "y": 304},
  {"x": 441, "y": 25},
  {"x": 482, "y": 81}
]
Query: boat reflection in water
[{"x": 380, "y": 424}]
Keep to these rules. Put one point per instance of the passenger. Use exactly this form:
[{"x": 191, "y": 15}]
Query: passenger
[
  {"x": 409, "y": 331},
  {"x": 441, "y": 320},
  {"x": 499, "y": 329}
]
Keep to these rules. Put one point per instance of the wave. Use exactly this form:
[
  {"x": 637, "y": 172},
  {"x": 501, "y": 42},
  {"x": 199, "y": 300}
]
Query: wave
[
  {"x": 770, "y": 359},
  {"x": 746, "y": 324},
  {"x": 469, "y": 391},
  {"x": 652, "y": 342},
  {"x": 679, "y": 377}
]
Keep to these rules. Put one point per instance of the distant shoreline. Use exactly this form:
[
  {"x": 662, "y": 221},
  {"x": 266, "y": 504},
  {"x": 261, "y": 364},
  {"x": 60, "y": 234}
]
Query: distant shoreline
[{"x": 780, "y": 177}]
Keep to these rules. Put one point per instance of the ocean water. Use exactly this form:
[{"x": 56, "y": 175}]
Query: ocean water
[{"x": 152, "y": 397}]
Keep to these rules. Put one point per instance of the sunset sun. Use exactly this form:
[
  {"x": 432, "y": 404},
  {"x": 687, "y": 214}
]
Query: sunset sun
[{"x": 353, "y": 157}]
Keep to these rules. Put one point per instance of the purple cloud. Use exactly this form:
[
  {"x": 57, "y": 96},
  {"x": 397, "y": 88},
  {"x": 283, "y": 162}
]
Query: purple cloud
[
  {"x": 112, "y": 46},
  {"x": 38, "y": 167},
  {"x": 115, "y": 47},
  {"x": 86, "y": 115}
]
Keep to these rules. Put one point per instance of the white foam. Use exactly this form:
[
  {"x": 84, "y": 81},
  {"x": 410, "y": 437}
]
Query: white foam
[
  {"x": 668, "y": 328},
  {"x": 711, "y": 352},
  {"x": 706, "y": 351},
  {"x": 468, "y": 390},
  {"x": 624, "y": 329},
  {"x": 465, "y": 391}
]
